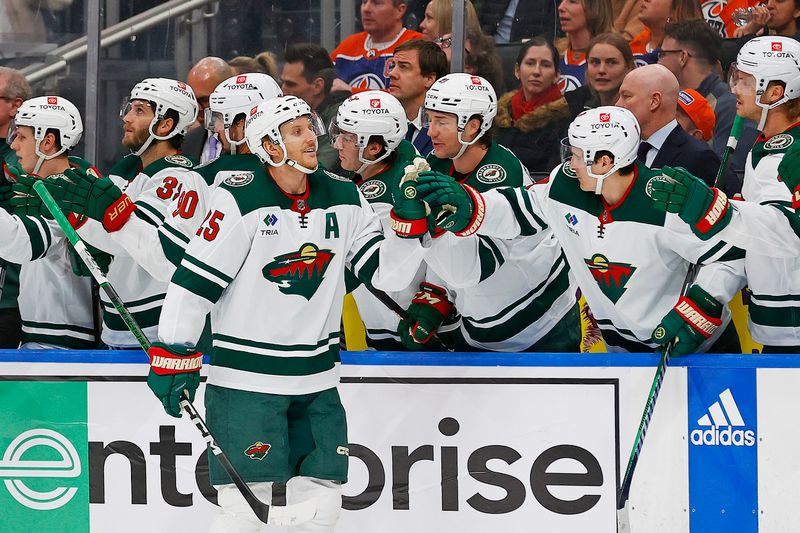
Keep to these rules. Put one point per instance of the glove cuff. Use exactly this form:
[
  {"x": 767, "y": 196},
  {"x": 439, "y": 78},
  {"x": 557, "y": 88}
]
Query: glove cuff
[
  {"x": 716, "y": 217},
  {"x": 796, "y": 197},
  {"x": 478, "y": 212},
  {"x": 701, "y": 322},
  {"x": 408, "y": 229},
  {"x": 118, "y": 213},
  {"x": 434, "y": 296},
  {"x": 165, "y": 362}
]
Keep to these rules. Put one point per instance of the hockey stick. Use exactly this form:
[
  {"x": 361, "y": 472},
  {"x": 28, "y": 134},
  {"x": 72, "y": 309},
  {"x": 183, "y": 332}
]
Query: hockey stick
[
  {"x": 623, "y": 494},
  {"x": 393, "y": 306},
  {"x": 282, "y": 516}
]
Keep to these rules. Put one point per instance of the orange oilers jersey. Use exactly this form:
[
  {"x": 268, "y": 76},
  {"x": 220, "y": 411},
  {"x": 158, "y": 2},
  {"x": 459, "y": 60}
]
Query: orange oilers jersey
[{"x": 363, "y": 67}]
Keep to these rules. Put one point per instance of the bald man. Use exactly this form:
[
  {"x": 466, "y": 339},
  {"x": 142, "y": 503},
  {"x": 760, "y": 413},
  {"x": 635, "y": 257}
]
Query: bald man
[
  {"x": 203, "y": 78},
  {"x": 651, "y": 94}
]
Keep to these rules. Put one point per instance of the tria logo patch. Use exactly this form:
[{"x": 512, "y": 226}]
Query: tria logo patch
[
  {"x": 572, "y": 219},
  {"x": 611, "y": 277},
  {"x": 240, "y": 79},
  {"x": 299, "y": 272},
  {"x": 605, "y": 117},
  {"x": 717, "y": 429},
  {"x": 258, "y": 450}
]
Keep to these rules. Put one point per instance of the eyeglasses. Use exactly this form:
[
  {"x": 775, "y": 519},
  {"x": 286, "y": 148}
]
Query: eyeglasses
[
  {"x": 662, "y": 53},
  {"x": 444, "y": 42}
]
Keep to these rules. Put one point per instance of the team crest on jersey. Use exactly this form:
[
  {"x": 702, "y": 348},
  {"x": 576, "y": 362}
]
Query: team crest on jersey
[
  {"x": 568, "y": 170},
  {"x": 372, "y": 189},
  {"x": 568, "y": 83},
  {"x": 779, "y": 142},
  {"x": 490, "y": 173},
  {"x": 611, "y": 277},
  {"x": 299, "y": 272},
  {"x": 239, "y": 179},
  {"x": 258, "y": 450},
  {"x": 180, "y": 160}
]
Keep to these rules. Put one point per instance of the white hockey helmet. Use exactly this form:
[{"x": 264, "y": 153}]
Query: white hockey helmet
[
  {"x": 237, "y": 96},
  {"x": 49, "y": 112},
  {"x": 165, "y": 94},
  {"x": 265, "y": 121},
  {"x": 371, "y": 113},
  {"x": 770, "y": 59},
  {"x": 465, "y": 96},
  {"x": 603, "y": 129}
]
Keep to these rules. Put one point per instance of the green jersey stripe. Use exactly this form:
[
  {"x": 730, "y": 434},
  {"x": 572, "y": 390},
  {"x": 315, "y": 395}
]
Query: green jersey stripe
[
  {"x": 779, "y": 317},
  {"x": 133, "y": 304},
  {"x": 196, "y": 284},
  {"x": 62, "y": 341},
  {"x": 367, "y": 248},
  {"x": 146, "y": 319},
  {"x": 523, "y": 219},
  {"x": 367, "y": 270},
  {"x": 712, "y": 252},
  {"x": 208, "y": 270},
  {"x": 149, "y": 213},
  {"x": 39, "y": 238},
  {"x": 174, "y": 233},
  {"x": 173, "y": 251},
  {"x": 51, "y": 325},
  {"x": 776, "y": 297},
  {"x": 275, "y": 365},
  {"x": 609, "y": 324},
  {"x": 613, "y": 338},
  {"x": 247, "y": 343}
]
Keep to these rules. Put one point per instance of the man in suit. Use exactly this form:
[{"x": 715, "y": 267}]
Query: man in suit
[
  {"x": 651, "y": 94},
  {"x": 413, "y": 69},
  {"x": 199, "y": 143}
]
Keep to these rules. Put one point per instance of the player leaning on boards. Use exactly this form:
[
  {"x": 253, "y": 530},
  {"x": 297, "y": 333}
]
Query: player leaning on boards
[
  {"x": 55, "y": 304},
  {"x": 766, "y": 82},
  {"x": 630, "y": 259},
  {"x": 269, "y": 263},
  {"x": 510, "y": 298},
  {"x": 369, "y": 133}
]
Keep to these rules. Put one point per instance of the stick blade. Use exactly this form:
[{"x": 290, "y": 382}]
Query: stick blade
[
  {"x": 624, "y": 519},
  {"x": 293, "y": 515}
]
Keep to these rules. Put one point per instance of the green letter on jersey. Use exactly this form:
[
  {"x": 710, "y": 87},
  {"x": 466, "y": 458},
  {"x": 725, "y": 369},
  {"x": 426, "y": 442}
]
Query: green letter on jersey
[{"x": 331, "y": 226}]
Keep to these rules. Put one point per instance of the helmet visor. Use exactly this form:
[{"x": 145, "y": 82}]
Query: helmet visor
[
  {"x": 736, "y": 77},
  {"x": 214, "y": 120},
  {"x": 12, "y": 132},
  {"x": 573, "y": 156},
  {"x": 335, "y": 133}
]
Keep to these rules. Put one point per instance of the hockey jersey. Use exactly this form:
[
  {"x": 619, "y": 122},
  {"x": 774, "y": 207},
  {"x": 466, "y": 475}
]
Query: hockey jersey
[
  {"x": 270, "y": 267},
  {"x": 719, "y": 14},
  {"x": 630, "y": 260},
  {"x": 640, "y": 46},
  {"x": 152, "y": 189},
  {"x": 573, "y": 71},
  {"x": 509, "y": 295},
  {"x": 364, "y": 66}
]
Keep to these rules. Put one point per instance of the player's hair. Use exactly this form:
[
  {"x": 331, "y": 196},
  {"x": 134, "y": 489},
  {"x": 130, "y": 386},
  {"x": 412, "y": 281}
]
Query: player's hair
[
  {"x": 316, "y": 62},
  {"x": 627, "y": 169},
  {"x": 703, "y": 42},
  {"x": 16, "y": 84},
  {"x": 431, "y": 58}
]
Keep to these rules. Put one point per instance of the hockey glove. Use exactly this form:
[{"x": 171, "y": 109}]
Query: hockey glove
[
  {"x": 428, "y": 310},
  {"x": 705, "y": 209},
  {"x": 6, "y": 194},
  {"x": 173, "y": 369},
  {"x": 409, "y": 211},
  {"x": 694, "y": 319},
  {"x": 460, "y": 207},
  {"x": 97, "y": 198},
  {"x": 789, "y": 172},
  {"x": 26, "y": 201},
  {"x": 12, "y": 172}
]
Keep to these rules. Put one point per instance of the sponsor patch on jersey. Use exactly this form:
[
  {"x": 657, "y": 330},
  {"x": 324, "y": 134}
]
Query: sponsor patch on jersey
[
  {"x": 180, "y": 160},
  {"x": 258, "y": 450},
  {"x": 779, "y": 142},
  {"x": 373, "y": 189},
  {"x": 271, "y": 226},
  {"x": 490, "y": 173},
  {"x": 648, "y": 188},
  {"x": 610, "y": 276},
  {"x": 337, "y": 177},
  {"x": 239, "y": 179},
  {"x": 299, "y": 272}
]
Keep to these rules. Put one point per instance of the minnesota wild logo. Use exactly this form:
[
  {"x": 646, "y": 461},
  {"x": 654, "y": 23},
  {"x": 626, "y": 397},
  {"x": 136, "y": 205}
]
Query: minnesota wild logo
[
  {"x": 611, "y": 277},
  {"x": 299, "y": 272},
  {"x": 258, "y": 450}
]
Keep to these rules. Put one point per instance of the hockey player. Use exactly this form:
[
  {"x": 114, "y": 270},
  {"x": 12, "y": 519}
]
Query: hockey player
[
  {"x": 55, "y": 304},
  {"x": 509, "y": 298},
  {"x": 369, "y": 133},
  {"x": 269, "y": 262},
  {"x": 630, "y": 259},
  {"x": 766, "y": 82}
]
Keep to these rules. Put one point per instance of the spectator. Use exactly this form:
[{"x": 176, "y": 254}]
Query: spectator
[
  {"x": 651, "y": 94},
  {"x": 581, "y": 20},
  {"x": 654, "y": 15},
  {"x": 532, "y": 120},
  {"x": 264, "y": 63},
  {"x": 361, "y": 58},
  {"x": 691, "y": 51},
  {"x": 199, "y": 143},
  {"x": 627, "y": 22},
  {"x": 777, "y": 17},
  {"x": 695, "y": 116},
  {"x": 510, "y": 21},
  {"x": 438, "y": 21},
  {"x": 481, "y": 59},
  {"x": 609, "y": 59},
  {"x": 14, "y": 90},
  {"x": 415, "y": 66},
  {"x": 719, "y": 15},
  {"x": 308, "y": 74}
]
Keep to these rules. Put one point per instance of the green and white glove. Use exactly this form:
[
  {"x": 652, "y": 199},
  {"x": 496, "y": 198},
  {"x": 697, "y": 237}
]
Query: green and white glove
[
  {"x": 173, "y": 369},
  {"x": 705, "y": 209},
  {"x": 789, "y": 173},
  {"x": 694, "y": 319},
  {"x": 97, "y": 198},
  {"x": 26, "y": 201},
  {"x": 409, "y": 211},
  {"x": 428, "y": 310},
  {"x": 12, "y": 172},
  {"x": 461, "y": 208}
]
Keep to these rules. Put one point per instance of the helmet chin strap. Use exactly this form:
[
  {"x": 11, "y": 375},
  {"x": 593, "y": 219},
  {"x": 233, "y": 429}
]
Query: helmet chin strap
[
  {"x": 44, "y": 157},
  {"x": 366, "y": 162},
  {"x": 464, "y": 144},
  {"x": 765, "y": 108},
  {"x": 152, "y": 137},
  {"x": 598, "y": 187}
]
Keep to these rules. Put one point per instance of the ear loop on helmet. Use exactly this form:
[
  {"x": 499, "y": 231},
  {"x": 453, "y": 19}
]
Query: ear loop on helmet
[
  {"x": 42, "y": 156},
  {"x": 152, "y": 137},
  {"x": 367, "y": 162},
  {"x": 464, "y": 144}
]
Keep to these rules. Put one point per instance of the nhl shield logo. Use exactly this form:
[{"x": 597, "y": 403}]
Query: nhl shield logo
[
  {"x": 611, "y": 277},
  {"x": 258, "y": 450},
  {"x": 300, "y": 272}
]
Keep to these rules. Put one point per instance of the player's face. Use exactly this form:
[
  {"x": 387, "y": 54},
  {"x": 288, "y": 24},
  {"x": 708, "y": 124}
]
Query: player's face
[
  {"x": 405, "y": 78},
  {"x": 572, "y": 15},
  {"x": 24, "y": 145},
  {"x": 578, "y": 166},
  {"x": 347, "y": 147},
  {"x": 537, "y": 72},
  {"x": 379, "y": 16},
  {"x": 294, "y": 83},
  {"x": 605, "y": 68},
  {"x": 743, "y": 86},
  {"x": 300, "y": 141},
  {"x": 443, "y": 131},
  {"x": 136, "y": 124}
]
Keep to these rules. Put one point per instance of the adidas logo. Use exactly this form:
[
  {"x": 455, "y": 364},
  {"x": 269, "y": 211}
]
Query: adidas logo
[{"x": 721, "y": 420}]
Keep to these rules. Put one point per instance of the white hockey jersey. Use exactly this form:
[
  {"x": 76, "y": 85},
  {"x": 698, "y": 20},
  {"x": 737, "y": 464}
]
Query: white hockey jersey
[{"x": 270, "y": 267}]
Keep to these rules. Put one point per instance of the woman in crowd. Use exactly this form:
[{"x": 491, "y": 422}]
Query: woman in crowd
[
  {"x": 438, "y": 21},
  {"x": 264, "y": 63},
  {"x": 608, "y": 60},
  {"x": 654, "y": 15},
  {"x": 775, "y": 17},
  {"x": 581, "y": 20},
  {"x": 532, "y": 120}
]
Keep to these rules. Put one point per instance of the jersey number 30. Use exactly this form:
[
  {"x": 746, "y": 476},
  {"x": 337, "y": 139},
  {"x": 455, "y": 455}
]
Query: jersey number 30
[{"x": 210, "y": 226}]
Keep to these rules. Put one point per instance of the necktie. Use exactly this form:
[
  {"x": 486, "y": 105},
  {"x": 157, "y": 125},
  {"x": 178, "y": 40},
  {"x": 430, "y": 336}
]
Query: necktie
[
  {"x": 412, "y": 129},
  {"x": 213, "y": 143},
  {"x": 644, "y": 147}
]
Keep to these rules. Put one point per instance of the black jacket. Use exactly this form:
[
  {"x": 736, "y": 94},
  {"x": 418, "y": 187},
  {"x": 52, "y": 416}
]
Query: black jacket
[
  {"x": 682, "y": 150},
  {"x": 532, "y": 18}
]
